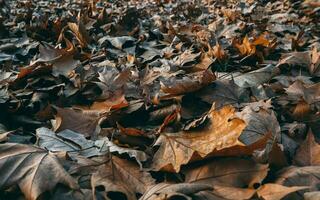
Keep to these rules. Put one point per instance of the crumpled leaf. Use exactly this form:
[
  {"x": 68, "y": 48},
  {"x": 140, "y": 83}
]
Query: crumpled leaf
[
  {"x": 220, "y": 137},
  {"x": 248, "y": 48},
  {"x": 80, "y": 32},
  {"x": 105, "y": 145},
  {"x": 117, "y": 42},
  {"x": 307, "y": 59},
  {"x": 187, "y": 84},
  {"x": 120, "y": 176},
  {"x": 33, "y": 169},
  {"x": 61, "y": 59},
  {"x": 186, "y": 58}
]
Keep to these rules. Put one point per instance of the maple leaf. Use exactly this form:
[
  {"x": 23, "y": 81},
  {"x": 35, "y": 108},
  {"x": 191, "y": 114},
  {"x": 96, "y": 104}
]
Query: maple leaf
[
  {"x": 220, "y": 137},
  {"x": 121, "y": 176},
  {"x": 33, "y": 169}
]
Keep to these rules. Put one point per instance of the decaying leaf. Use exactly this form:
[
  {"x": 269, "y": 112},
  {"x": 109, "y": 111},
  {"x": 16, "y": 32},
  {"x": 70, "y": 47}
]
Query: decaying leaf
[{"x": 213, "y": 98}]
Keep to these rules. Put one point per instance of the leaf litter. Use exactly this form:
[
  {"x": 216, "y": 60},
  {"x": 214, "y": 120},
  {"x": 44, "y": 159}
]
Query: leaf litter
[{"x": 159, "y": 99}]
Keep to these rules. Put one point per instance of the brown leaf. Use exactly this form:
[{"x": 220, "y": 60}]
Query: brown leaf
[
  {"x": 164, "y": 191},
  {"x": 187, "y": 57},
  {"x": 245, "y": 48},
  {"x": 220, "y": 92},
  {"x": 187, "y": 84},
  {"x": 204, "y": 64},
  {"x": 314, "y": 68},
  {"x": 76, "y": 120},
  {"x": 231, "y": 172},
  {"x": 130, "y": 131},
  {"x": 177, "y": 149},
  {"x": 260, "y": 121},
  {"x": 80, "y": 32},
  {"x": 308, "y": 152},
  {"x": 277, "y": 157},
  {"x": 299, "y": 176},
  {"x": 33, "y": 169},
  {"x": 121, "y": 176},
  {"x": 249, "y": 48},
  {"x": 310, "y": 93},
  {"x": 311, "y": 196},
  {"x": 218, "y": 52},
  {"x": 275, "y": 192},
  {"x": 233, "y": 192},
  {"x": 115, "y": 102},
  {"x": 61, "y": 59}
]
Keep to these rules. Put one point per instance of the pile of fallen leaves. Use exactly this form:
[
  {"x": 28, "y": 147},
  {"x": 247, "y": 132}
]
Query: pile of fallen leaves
[{"x": 159, "y": 100}]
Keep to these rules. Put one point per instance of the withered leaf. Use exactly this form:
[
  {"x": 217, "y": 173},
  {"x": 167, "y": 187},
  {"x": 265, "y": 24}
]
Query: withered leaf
[
  {"x": 221, "y": 134},
  {"x": 274, "y": 191},
  {"x": 77, "y": 121},
  {"x": 33, "y": 169},
  {"x": 80, "y": 32},
  {"x": 260, "y": 121},
  {"x": 308, "y": 152},
  {"x": 121, "y": 176},
  {"x": 299, "y": 176},
  {"x": 256, "y": 77},
  {"x": 61, "y": 59},
  {"x": 67, "y": 140},
  {"x": 167, "y": 190},
  {"x": 187, "y": 84},
  {"x": 221, "y": 92},
  {"x": 105, "y": 145},
  {"x": 232, "y": 172}
]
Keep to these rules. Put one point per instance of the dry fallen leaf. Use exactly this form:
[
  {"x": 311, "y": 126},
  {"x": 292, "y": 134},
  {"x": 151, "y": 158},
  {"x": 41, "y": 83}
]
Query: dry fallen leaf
[
  {"x": 274, "y": 191},
  {"x": 188, "y": 84},
  {"x": 231, "y": 172},
  {"x": 164, "y": 191},
  {"x": 220, "y": 137},
  {"x": 308, "y": 152},
  {"x": 77, "y": 120},
  {"x": 33, "y": 169},
  {"x": 80, "y": 32},
  {"x": 120, "y": 176},
  {"x": 299, "y": 176}
]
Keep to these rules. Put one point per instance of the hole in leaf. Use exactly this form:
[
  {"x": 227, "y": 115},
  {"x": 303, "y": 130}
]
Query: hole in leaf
[
  {"x": 117, "y": 196},
  {"x": 100, "y": 188}
]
